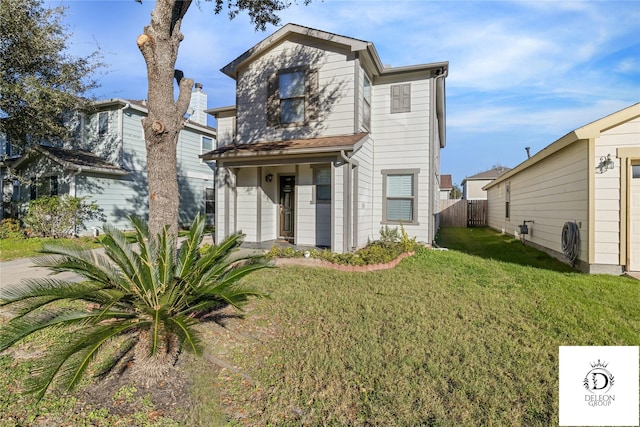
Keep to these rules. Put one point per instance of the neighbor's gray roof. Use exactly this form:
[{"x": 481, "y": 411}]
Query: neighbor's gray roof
[
  {"x": 490, "y": 174},
  {"x": 74, "y": 160}
]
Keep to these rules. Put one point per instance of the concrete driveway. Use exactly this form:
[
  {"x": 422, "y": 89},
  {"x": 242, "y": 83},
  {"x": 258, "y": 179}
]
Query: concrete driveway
[{"x": 12, "y": 272}]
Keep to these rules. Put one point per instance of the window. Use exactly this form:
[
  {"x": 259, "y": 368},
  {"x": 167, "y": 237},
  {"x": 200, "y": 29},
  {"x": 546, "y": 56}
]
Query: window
[
  {"x": 635, "y": 171},
  {"x": 400, "y": 196},
  {"x": 507, "y": 200},
  {"x": 366, "y": 104},
  {"x": 45, "y": 186},
  {"x": 322, "y": 182},
  {"x": 292, "y": 97},
  {"x": 103, "y": 123},
  {"x": 206, "y": 144},
  {"x": 292, "y": 91},
  {"x": 401, "y": 98},
  {"x": 209, "y": 201}
]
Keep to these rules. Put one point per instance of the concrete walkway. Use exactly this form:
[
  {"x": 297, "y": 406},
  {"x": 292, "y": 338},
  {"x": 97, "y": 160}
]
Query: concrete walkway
[{"x": 13, "y": 272}]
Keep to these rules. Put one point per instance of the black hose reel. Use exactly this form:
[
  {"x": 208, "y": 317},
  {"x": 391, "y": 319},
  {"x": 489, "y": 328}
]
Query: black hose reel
[{"x": 571, "y": 241}]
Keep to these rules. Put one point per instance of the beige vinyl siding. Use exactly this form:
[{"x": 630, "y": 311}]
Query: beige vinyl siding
[
  {"x": 550, "y": 192},
  {"x": 474, "y": 191},
  {"x": 402, "y": 142},
  {"x": 246, "y": 202},
  {"x": 366, "y": 230},
  {"x": 225, "y": 203},
  {"x": 607, "y": 190},
  {"x": 305, "y": 210},
  {"x": 335, "y": 80},
  {"x": 226, "y": 130},
  {"x": 269, "y": 208}
]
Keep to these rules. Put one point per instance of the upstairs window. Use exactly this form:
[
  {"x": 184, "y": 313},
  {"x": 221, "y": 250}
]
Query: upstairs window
[
  {"x": 103, "y": 123},
  {"x": 401, "y": 98},
  {"x": 366, "y": 104},
  {"x": 292, "y": 97},
  {"x": 206, "y": 145},
  {"x": 292, "y": 94}
]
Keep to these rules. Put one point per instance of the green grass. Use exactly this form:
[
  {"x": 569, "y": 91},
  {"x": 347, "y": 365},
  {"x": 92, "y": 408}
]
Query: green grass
[
  {"x": 467, "y": 336},
  {"x": 12, "y": 248},
  {"x": 445, "y": 339}
]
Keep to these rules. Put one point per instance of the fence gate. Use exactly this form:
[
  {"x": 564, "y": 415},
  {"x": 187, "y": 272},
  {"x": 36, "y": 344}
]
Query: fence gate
[{"x": 476, "y": 213}]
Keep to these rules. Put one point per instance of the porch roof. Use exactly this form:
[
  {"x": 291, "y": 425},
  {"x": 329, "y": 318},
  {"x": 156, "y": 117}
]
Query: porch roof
[
  {"x": 328, "y": 144},
  {"x": 76, "y": 160}
]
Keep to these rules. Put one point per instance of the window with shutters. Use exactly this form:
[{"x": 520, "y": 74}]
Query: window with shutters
[
  {"x": 400, "y": 196},
  {"x": 322, "y": 183},
  {"x": 292, "y": 97},
  {"x": 401, "y": 98}
]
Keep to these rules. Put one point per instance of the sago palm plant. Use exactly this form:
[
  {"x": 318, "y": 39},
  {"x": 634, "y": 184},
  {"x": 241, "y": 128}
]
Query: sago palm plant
[{"x": 140, "y": 299}]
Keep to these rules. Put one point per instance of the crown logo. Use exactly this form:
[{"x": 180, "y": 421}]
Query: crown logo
[{"x": 599, "y": 364}]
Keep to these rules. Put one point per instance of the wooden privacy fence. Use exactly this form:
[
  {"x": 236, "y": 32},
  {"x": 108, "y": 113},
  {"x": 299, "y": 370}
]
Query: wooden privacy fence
[{"x": 463, "y": 213}]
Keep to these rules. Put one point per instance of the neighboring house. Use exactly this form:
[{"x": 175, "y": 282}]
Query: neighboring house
[
  {"x": 472, "y": 185},
  {"x": 326, "y": 145},
  {"x": 446, "y": 185},
  {"x": 106, "y": 161},
  {"x": 590, "y": 177}
]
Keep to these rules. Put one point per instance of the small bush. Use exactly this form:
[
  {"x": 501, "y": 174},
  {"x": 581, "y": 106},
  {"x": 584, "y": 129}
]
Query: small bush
[
  {"x": 60, "y": 216},
  {"x": 10, "y": 229}
]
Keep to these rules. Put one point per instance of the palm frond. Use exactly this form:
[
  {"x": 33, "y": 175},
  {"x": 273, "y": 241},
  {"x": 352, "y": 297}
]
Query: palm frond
[
  {"x": 182, "y": 326},
  {"x": 188, "y": 253},
  {"x": 74, "y": 358}
]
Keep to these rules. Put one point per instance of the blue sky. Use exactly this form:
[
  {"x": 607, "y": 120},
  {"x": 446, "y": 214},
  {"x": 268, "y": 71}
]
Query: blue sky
[{"x": 521, "y": 74}]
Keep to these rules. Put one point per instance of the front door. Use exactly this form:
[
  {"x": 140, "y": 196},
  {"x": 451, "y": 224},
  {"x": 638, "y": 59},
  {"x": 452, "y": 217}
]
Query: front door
[
  {"x": 287, "y": 206},
  {"x": 634, "y": 216}
]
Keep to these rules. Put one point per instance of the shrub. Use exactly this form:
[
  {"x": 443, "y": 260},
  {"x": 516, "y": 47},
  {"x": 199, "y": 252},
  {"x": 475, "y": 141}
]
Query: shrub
[
  {"x": 10, "y": 229},
  {"x": 60, "y": 216}
]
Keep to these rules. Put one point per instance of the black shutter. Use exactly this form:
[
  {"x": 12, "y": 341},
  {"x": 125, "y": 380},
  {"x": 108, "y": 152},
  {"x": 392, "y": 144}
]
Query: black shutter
[
  {"x": 273, "y": 101},
  {"x": 312, "y": 107}
]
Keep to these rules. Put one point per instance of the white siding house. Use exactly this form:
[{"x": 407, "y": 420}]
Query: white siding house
[
  {"x": 105, "y": 160},
  {"x": 590, "y": 178},
  {"x": 326, "y": 145}
]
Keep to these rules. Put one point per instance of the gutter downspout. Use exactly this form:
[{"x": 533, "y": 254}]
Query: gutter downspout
[
  {"x": 350, "y": 210},
  {"x": 434, "y": 115}
]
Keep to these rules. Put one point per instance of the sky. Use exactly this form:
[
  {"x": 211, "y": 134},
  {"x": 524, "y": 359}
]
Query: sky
[{"x": 521, "y": 73}]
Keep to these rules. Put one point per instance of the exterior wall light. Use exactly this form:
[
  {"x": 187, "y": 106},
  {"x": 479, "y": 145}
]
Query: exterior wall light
[
  {"x": 605, "y": 164},
  {"x": 269, "y": 177}
]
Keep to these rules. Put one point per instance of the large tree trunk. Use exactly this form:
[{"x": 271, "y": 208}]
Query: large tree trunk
[{"x": 159, "y": 46}]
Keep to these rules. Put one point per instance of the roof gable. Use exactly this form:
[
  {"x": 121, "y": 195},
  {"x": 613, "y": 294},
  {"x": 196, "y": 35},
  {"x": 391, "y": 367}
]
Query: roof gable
[{"x": 589, "y": 131}]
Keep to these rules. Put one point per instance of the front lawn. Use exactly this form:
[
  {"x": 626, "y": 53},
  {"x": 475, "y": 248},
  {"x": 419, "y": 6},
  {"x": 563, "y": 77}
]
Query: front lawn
[{"x": 447, "y": 338}]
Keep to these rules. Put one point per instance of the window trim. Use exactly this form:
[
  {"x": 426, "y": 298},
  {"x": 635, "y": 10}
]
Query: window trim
[{"x": 414, "y": 198}]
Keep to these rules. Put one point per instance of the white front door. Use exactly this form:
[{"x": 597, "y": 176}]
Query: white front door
[{"x": 634, "y": 216}]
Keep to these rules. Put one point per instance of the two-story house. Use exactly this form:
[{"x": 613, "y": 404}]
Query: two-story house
[
  {"x": 326, "y": 145},
  {"x": 106, "y": 161}
]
